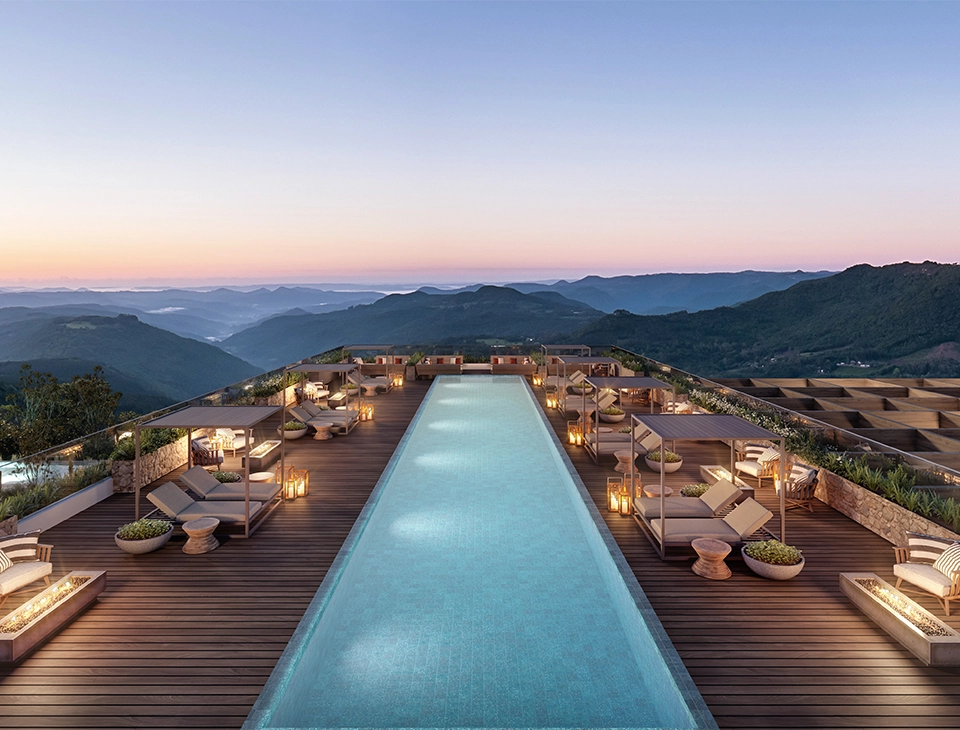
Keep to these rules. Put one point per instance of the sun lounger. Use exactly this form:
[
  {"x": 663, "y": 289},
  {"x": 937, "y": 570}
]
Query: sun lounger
[
  {"x": 177, "y": 505},
  {"x": 720, "y": 496},
  {"x": 747, "y": 518},
  {"x": 204, "y": 485}
]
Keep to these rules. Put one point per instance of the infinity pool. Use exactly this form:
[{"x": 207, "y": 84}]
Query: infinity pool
[{"x": 479, "y": 590}]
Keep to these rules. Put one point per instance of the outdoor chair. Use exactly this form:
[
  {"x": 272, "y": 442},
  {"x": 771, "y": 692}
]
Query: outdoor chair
[
  {"x": 760, "y": 462},
  {"x": 801, "y": 483},
  {"x": 177, "y": 505},
  {"x": 204, "y": 454},
  {"x": 720, "y": 496},
  {"x": 23, "y": 560},
  {"x": 748, "y": 517},
  {"x": 205, "y": 485},
  {"x": 930, "y": 564},
  {"x": 233, "y": 439}
]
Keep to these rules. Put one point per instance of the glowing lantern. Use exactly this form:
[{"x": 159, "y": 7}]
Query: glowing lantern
[{"x": 614, "y": 487}]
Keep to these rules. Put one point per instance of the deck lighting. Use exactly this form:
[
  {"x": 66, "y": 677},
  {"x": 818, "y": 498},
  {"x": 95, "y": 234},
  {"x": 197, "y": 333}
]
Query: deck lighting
[
  {"x": 397, "y": 380},
  {"x": 614, "y": 487},
  {"x": 366, "y": 412},
  {"x": 552, "y": 399},
  {"x": 574, "y": 433},
  {"x": 302, "y": 479},
  {"x": 625, "y": 500},
  {"x": 537, "y": 379},
  {"x": 289, "y": 482}
]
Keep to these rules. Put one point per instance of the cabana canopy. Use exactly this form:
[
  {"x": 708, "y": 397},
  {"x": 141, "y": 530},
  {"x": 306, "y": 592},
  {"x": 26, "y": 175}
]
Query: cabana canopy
[
  {"x": 614, "y": 383},
  {"x": 701, "y": 427},
  {"x": 191, "y": 417},
  {"x": 628, "y": 382}
]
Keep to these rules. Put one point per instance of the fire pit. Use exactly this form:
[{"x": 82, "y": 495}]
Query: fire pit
[
  {"x": 929, "y": 639},
  {"x": 24, "y": 628}
]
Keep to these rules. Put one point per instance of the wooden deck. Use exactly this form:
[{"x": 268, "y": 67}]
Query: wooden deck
[{"x": 188, "y": 641}]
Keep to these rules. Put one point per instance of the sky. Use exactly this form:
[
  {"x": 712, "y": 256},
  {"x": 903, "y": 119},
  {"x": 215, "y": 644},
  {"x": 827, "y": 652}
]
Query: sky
[{"x": 449, "y": 142}]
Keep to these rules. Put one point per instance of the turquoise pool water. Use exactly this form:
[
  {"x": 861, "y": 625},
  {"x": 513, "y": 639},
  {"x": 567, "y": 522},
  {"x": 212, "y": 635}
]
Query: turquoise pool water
[{"x": 479, "y": 590}]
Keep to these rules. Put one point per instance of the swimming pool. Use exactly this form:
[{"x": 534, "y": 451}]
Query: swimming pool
[{"x": 479, "y": 589}]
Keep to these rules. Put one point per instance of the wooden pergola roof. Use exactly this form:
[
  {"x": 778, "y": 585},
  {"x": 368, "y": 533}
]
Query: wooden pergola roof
[
  {"x": 703, "y": 427},
  {"x": 213, "y": 417}
]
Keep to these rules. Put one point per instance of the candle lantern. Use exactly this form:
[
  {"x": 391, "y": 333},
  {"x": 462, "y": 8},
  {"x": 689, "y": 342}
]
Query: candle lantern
[
  {"x": 614, "y": 485},
  {"x": 289, "y": 481},
  {"x": 573, "y": 432},
  {"x": 302, "y": 479},
  {"x": 625, "y": 505},
  {"x": 397, "y": 380}
]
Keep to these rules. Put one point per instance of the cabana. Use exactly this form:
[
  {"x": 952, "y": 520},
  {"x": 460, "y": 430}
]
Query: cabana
[
  {"x": 211, "y": 417},
  {"x": 551, "y": 356},
  {"x": 351, "y": 416},
  {"x": 433, "y": 365},
  {"x": 585, "y": 364},
  {"x": 387, "y": 365},
  {"x": 511, "y": 363},
  {"x": 700, "y": 427},
  {"x": 607, "y": 443}
]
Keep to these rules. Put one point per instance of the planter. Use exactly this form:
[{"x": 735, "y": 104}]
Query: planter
[
  {"x": 611, "y": 418},
  {"x": 292, "y": 435},
  {"x": 773, "y": 572},
  {"x": 14, "y": 645},
  {"x": 139, "y": 547},
  {"x": 668, "y": 467},
  {"x": 63, "y": 509}
]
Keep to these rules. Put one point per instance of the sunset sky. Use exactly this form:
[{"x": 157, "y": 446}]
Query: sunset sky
[{"x": 171, "y": 143}]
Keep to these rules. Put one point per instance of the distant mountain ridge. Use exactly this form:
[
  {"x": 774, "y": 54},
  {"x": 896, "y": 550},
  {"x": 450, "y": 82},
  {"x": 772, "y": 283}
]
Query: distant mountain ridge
[
  {"x": 489, "y": 312},
  {"x": 664, "y": 293},
  {"x": 899, "y": 319}
]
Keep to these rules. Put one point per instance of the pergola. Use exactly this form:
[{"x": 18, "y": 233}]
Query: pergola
[
  {"x": 588, "y": 362},
  {"x": 615, "y": 384},
  {"x": 700, "y": 427},
  {"x": 343, "y": 369},
  {"x": 386, "y": 350},
  {"x": 204, "y": 417}
]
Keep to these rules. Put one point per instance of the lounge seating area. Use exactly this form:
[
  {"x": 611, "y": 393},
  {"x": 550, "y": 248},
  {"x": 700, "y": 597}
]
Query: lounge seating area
[
  {"x": 202, "y": 483},
  {"x": 178, "y": 506},
  {"x": 23, "y": 562},
  {"x": 930, "y": 566}
]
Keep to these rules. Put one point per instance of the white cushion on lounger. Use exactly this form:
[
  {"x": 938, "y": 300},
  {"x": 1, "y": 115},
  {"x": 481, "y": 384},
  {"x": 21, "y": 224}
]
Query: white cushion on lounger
[
  {"x": 176, "y": 504},
  {"x": 649, "y": 507},
  {"x": 923, "y": 576},
  {"x": 21, "y": 574}
]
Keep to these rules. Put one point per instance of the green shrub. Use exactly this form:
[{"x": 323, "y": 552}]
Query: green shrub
[
  {"x": 151, "y": 439},
  {"x": 625, "y": 429},
  {"x": 416, "y": 357},
  {"x": 670, "y": 456},
  {"x": 226, "y": 477},
  {"x": 773, "y": 552},
  {"x": 26, "y": 499},
  {"x": 612, "y": 411},
  {"x": 695, "y": 490},
  {"x": 294, "y": 425},
  {"x": 144, "y": 529}
]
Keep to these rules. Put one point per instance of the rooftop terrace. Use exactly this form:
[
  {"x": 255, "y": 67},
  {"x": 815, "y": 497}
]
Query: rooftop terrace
[{"x": 188, "y": 641}]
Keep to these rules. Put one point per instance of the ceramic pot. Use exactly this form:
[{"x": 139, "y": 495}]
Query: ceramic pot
[
  {"x": 139, "y": 547},
  {"x": 668, "y": 467},
  {"x": 773, "y": 572},
  {"x": 612, "y": 418}
]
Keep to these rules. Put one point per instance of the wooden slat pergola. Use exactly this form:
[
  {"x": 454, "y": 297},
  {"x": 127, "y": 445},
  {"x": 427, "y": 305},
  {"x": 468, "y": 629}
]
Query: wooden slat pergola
[
  {"x": 700, "y": 427},
  {"x": 616, "y": 384},
  {"x": 343, "y": 369},
  {"x": 386, "y": 350},
  {"x": 197, "y": 417}
]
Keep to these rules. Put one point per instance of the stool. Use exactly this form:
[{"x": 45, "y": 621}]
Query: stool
[
  {"x": 624, "y": 461},
  {"x": 711, "y": 552},
  {"x": 323, "y": 430},
  {"x": 369, "y": 389},
  {"x": 200, "y": 532}
]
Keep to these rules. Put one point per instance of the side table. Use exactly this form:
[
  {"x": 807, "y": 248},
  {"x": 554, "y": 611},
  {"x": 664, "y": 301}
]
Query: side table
[
  {"x": 711, "y": 552},
  {"x": 200, "y": 534},
  {"x": 323, "y": 430}
]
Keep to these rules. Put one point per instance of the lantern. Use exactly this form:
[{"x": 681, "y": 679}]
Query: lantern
[
  {"x": 397, "y": 380},
  {"x": 366, "y": 412},
  {"x": 625, "y": 501},
  {"x": 302, "y": 482},
  {"x": 289, "y": 482},
  {"x": 614, "y": 486},
  {"x": 537, "y": 379},
  {"x": 573, "y": 432}
]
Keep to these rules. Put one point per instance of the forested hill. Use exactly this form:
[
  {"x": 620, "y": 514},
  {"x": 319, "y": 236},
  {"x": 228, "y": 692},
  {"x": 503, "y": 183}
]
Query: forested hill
[
  {"x": 164, "y": 364},
  {"x": 899, "y": 319},
  {"x": 489, "y": 312}
]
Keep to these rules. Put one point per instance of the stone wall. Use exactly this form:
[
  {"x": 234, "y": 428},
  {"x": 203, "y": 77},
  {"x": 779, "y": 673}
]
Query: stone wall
[
  {"x": 881, "y": 516},
  {"x": 152, "y": 466},
  {"x": 8, "y": 526},
  {"x": 277, "y": 398}
]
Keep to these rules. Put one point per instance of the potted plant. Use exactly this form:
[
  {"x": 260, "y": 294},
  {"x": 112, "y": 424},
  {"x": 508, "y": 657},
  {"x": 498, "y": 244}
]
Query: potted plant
[
  {"x": 772, "y": 559},
  {"x": 583, "y": 386},
  {"x": 293, "y": 429},
  {"x": 612, "y": 415},
  {"x": 671, "y": 460},
  {"x": 143, "y": 536},
  {"x": 695, "y": 490},
  {"x": 226, "y": 477}
]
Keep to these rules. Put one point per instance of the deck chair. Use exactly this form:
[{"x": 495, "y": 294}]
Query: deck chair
[
  {"x": 204, "y": 485},
  {"x": 23, "y": 560},
  {"x": 921, "y": 563},
  {"x": 233, "y": 439},
  {"x": 177, "y": 505},
  {"x": 204, "y": 453},
  {"x": 720, "y": 496},
  {"x": 735, "y": 528},
  {"x": 801, "y": 483},
  {"x": 759, "y": 462}
]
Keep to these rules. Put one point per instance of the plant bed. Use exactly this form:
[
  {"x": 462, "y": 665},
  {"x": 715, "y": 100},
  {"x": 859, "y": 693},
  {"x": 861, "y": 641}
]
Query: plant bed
[
  {"x": 772, "y": 559},
  {"x": 23, "y": 630},
  {"x": 920, "y": 632},
  {"x": 143, "y": 536},
  {"x": 673, "y": 461}
]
